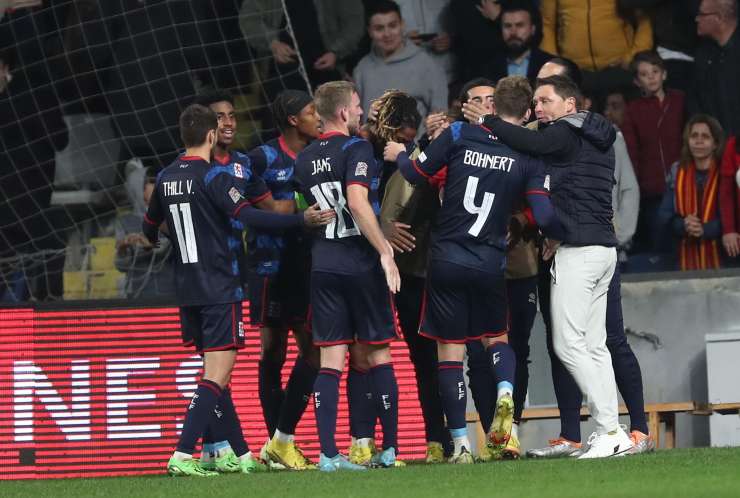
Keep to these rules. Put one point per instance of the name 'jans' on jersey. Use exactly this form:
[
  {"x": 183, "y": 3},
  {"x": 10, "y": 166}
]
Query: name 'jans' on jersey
[{"x": 353, "y": 272}]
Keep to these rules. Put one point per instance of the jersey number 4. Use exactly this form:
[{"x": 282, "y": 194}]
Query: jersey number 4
[
  {"x": 185, "y": 232},
  {"x": 481, "y": 211},
  {"x": 329, "y": 196}
]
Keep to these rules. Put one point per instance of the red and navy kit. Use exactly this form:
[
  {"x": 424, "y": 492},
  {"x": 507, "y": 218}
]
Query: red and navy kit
[
  {"x": 279, "y": 264},
  {"x": 350, "y": 299},
  {"x": 466, "y": 290},
  {"x": 198, "y": 202}
]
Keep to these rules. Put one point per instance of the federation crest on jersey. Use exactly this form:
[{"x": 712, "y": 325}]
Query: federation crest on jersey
[
  {"x": 361, "y": 169},
  {"x": 235, "y": 195},
  {"x": 238, "y": 171}
]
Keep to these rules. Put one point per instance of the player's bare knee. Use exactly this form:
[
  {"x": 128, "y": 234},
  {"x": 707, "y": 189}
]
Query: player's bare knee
[
  {"x": 490, "y": 341},
  {"x": 378, "y": 355},
  {"x": 333, "y": 356},
  {"x": 450, "y": 351}
]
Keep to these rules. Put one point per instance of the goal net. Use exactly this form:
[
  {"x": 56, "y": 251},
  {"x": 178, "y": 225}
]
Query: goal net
[{"x": 90, "y": 94}]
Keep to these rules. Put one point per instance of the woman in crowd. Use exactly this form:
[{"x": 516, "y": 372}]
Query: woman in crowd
[{"x": 690, "y": 207}]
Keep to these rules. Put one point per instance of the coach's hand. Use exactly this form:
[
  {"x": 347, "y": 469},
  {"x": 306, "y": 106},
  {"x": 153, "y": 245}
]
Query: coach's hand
[
  {"x": 315, "y": 217},
  {"x": 391, "y": 151},
  {"x": 549, "y": 247},
  {"x": 392, "y": 277},
  {"x": 398, "y": 236},
  {"x": 282, "y": 52},
  {"x": 473, "y": 110}
]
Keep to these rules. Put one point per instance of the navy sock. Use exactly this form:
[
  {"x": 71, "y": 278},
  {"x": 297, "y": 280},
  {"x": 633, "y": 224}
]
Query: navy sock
[
  {"x": 482, "y": 386},
  {"x": 229, "y": 428},
  {"x": 503, "y": 364},
  {"x": 297, "y": 394},
  {"x": 385, "y": 392},
  {"x": 453, "y": 393},
  {"x": 362, "y": 411},
  {"x": 198, "y": 415},
  {"x": 326, "y": 399},
  {"x": 271, "y": 392}
]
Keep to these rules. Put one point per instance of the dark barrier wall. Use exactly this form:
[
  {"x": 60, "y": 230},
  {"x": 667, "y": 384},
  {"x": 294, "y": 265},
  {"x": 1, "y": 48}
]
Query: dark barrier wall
[{"x": 101, "y": 391}]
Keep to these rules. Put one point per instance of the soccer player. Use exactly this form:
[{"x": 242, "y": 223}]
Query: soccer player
[
  {"x": 216, "y": 453},
  {"x": 279, "y": 269},
  {"x": 198, "y": 203},
  {"x": 579, "y": 150},
  {"x": 466, "y": 290},
  {"x": 352, "y": 271}
]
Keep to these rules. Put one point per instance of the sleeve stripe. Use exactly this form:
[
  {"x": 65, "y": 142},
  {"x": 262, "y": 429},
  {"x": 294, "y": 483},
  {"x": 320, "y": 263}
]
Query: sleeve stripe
[
  {"x": 240, "y": 207},
  {"x": 148, "y": 220},
  {"x": 367, "y": 186},
  {"x": 537, "y": 192},
  {"x": 260, "y": 198},
  {"x": 418, "y": 169}
]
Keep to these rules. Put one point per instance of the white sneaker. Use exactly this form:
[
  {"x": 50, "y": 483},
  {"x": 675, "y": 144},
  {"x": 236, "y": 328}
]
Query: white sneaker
[{"x": 616, "y": 443}]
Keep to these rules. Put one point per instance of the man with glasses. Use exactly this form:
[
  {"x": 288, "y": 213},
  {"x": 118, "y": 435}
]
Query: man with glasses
[{"x": 717, "y": 75}]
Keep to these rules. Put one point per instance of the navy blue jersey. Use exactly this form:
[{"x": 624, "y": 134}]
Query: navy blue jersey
[
  {"x": 199, "y": 201},
  {"x": 325, "y": 168},
  {"x": 274, "y": 162},
  {"x": 485, "y": 179}
]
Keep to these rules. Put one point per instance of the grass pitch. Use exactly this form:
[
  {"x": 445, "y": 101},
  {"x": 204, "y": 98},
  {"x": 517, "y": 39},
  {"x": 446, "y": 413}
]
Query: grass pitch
[{"x": 675, "y": 473}]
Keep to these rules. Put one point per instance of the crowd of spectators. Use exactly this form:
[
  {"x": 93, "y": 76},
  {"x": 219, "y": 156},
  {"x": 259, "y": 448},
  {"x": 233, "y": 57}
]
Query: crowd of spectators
[{"x": 648, "y": 65}]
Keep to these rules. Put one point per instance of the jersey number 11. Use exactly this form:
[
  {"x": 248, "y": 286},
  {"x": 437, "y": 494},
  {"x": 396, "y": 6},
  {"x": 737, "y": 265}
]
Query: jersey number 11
[{"x": 185, "y": 232}]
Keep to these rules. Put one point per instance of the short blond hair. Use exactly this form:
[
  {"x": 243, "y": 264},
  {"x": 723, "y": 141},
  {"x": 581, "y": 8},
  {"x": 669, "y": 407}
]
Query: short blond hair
[{"x": 332, "y": 95}]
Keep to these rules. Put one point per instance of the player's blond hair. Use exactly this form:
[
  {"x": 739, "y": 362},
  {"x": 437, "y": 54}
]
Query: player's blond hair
[{"x": 332, "y": 95}]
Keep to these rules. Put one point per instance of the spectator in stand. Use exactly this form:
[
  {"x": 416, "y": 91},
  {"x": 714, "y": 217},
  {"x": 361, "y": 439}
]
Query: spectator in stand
[
  {"x": 729, "y": 200},
  {"x": 674, "y": 31},
  {"x": 690, "y": 206},
  {"x": 615, "y": 105},
  {"x": 427, "y": 24},
  {"x": 149, "y": 269},
  {"x": 601, "y": 39},
  {"x": 521, "y": 27},
  {"x": 476, "y": 32},
  {"x": 652, "y": 128},
  {"x": 31, "y": 132},
  {"x": 394, "y": 62},
  {"x": 326, "y": 32},
  {"x": 717, "y": 75}
]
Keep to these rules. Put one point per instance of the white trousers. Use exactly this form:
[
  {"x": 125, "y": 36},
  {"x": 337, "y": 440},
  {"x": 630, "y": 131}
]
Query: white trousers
[{"x": 580, "y": 281}]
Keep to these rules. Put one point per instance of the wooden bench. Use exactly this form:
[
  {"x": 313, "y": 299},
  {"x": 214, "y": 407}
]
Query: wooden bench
[{"x": 657, "y": 413}]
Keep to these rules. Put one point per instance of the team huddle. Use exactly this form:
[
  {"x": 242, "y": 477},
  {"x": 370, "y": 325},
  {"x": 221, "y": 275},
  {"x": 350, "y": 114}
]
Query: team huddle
[{"x": 358, "y": 236}]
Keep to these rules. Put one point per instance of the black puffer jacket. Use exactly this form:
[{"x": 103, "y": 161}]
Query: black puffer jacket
[{"x": 580, "y": 158}]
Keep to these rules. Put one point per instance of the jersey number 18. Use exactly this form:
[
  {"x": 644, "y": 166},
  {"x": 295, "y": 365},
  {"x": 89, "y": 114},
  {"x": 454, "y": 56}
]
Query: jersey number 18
[{"x": 329, "y": 196}]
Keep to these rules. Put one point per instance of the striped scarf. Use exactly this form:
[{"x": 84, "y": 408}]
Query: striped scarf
[{"x": 697, "y": 254}]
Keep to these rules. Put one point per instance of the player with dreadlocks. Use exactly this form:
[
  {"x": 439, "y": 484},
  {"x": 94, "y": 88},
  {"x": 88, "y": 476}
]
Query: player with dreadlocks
[{"x": 394, "y": 117}]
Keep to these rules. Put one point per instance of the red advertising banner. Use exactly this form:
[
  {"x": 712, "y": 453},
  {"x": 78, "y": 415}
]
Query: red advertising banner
[{"x": 102, "y": 392}]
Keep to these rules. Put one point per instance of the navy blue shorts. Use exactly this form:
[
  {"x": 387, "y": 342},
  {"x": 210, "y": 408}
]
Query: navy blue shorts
[
  {"x": 349, "y": 308},
  {"x": 462, "y": 304},
  {"x": 278, "y": 301},
  {"x": 216, "y": 327}
]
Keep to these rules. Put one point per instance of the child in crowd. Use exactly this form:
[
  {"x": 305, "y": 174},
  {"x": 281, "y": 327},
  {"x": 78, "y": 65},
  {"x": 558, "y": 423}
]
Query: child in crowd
[{"x": 652, "y": 127}]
